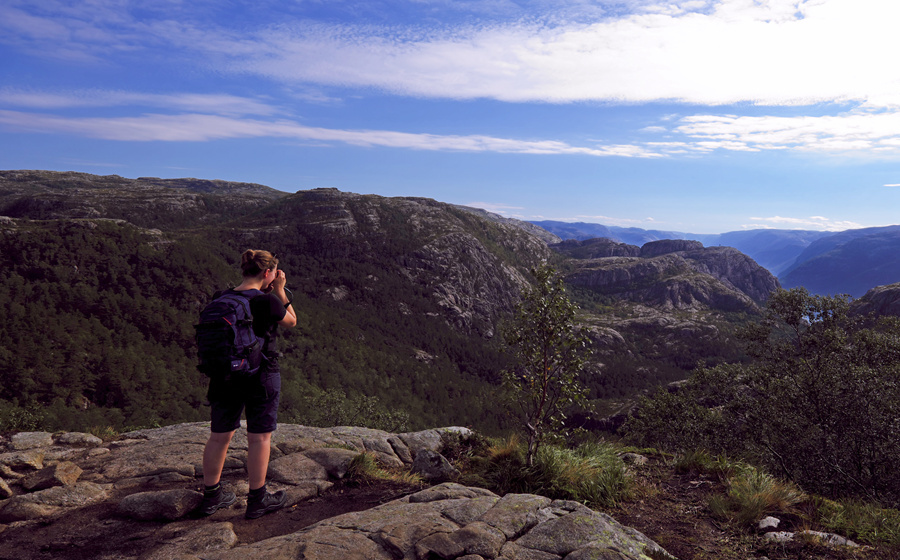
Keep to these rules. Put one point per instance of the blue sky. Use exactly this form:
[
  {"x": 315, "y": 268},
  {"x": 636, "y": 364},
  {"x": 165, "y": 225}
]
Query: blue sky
[{"x": 699, "y": 116}]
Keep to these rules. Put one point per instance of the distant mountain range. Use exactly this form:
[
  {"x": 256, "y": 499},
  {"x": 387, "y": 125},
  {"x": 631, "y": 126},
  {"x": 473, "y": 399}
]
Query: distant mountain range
[{"x": 826, "y": 263}]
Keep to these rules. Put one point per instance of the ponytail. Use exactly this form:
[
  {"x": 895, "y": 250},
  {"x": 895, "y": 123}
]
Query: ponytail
[{"x": 253, "y": 262}]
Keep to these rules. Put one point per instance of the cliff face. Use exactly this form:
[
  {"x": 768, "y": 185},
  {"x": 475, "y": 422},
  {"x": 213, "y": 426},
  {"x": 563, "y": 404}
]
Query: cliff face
[
  {"x": 883, "y": 300},
  {"x": 471, "y": 267},
  {"x": 675, "y": 274}
]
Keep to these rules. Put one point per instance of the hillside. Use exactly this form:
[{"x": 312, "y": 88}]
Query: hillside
[
  {"x": 400, "y": 301},
  {"x": 850, "y": 262}
]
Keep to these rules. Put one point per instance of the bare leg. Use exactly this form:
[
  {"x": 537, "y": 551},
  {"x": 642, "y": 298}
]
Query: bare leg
[
  {"x": 258, "y": 448},
  {"x": 214, "y": 456}
]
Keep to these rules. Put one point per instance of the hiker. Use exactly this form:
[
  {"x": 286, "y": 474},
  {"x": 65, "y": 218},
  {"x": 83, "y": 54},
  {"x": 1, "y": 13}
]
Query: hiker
[{"x": 264, "y": 285}]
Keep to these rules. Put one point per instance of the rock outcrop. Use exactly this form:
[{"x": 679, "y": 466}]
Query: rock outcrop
[
  {"x": 457, "y": 522},
  {"x": 151, "y": 476},
  {"x": 883, "y": 300},
  {"x": 672, "y": 275}
]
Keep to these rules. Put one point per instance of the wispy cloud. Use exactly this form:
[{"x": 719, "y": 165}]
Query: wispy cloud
[
  {"x": 609, "y": 220},
  {"x": 210, "y": 103},
  {"x": 497, "y": 207},
  {"x": 206, "y": 127},
  {"x": 819, "y": 223},
  {"x": 872, "y": 133}
]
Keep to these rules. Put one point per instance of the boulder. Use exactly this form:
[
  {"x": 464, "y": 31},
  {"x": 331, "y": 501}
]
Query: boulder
[
  {"x": 65, "y": 473},
  {"x": 415, "y": 527},
  {"x": 165, "y": 505},
  {"x": 335, "y": 461},
  {"x": 433, "y": 466},
  {"x": 296, "y": 468},
  {"x": 30, "y": 460}
]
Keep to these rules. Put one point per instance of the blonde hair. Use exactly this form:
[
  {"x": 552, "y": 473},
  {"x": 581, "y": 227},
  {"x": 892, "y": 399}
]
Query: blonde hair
[{"x": 254, "y": 262}]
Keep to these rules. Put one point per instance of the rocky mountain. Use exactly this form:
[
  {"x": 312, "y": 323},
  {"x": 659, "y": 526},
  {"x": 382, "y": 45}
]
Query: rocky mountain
[
  {"x": 774, "y": 249},
  {"x": 850, "y": 262},
  {"x": 145, "y": 202},
  {"x": 673, "y": 274},
  {"x": 400, "y": 299},
  {"x": 826, "y": 263}
]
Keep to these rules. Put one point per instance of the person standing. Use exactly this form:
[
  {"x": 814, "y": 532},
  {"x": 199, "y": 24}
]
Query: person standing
[{"x": 264, "y": 285}]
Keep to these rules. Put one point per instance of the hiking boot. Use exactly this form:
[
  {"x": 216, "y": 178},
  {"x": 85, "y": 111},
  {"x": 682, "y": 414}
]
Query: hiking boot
[
  {"x": 212, "y": 501},
  {"x": 268, "y": 503}
]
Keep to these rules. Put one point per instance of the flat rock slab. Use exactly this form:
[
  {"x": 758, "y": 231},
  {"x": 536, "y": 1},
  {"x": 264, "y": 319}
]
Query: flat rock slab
[
  {"x": 50, "y": 502},
  {"x": 416, "y": 527},
  {"x": 30, "y": 440},
  {"x": 148, "y": 460},
  {"x": 186, "y": 539}
]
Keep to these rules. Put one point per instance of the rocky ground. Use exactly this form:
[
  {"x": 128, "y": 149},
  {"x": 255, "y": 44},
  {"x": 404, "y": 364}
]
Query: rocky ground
[{"x": 669, "y": 508}]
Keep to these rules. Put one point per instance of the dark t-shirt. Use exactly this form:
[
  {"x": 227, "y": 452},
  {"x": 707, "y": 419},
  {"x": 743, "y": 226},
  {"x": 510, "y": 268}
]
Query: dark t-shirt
[{"x": 267, "y": 310}]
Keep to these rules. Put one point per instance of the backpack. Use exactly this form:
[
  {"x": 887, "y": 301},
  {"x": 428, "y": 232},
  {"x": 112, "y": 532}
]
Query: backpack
[{"x": 226, "y": 342}]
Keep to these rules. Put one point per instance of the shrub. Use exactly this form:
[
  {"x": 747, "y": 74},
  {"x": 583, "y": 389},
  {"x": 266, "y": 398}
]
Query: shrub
[
  {"x": 861, "y": 521},
  {"x": 819, "y": 405},
  {"x": 14, "y": 418}
]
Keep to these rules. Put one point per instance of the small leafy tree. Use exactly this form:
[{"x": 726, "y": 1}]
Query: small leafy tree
[{"x": 549, "y": 355}]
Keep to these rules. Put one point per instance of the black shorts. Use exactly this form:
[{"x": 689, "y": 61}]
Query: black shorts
[{"x": 259, "y": 394}]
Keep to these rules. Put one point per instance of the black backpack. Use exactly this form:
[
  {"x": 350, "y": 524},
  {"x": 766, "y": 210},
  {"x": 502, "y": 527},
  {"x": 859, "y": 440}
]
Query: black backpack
[{"x": 226, "y": 341}]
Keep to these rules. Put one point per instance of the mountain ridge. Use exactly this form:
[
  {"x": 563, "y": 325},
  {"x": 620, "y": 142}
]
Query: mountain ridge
[{"x": 400, "y": 299}]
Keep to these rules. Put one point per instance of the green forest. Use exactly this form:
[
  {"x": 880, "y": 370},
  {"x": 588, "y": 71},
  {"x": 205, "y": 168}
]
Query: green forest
[
  {"x": 97, "y": 313},
  {"x": 97, "y": 319}
]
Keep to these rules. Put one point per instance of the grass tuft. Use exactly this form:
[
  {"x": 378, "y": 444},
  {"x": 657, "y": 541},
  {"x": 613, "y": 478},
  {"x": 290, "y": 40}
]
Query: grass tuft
[
  {"x": 860, "y": 521},
  {"x": 753, "y": 494},
  {"x": 364, "y": 468}
]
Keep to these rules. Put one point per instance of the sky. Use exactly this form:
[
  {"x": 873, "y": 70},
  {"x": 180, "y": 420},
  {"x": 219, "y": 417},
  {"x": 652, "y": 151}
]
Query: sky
[{"x": 699, "y": 116}]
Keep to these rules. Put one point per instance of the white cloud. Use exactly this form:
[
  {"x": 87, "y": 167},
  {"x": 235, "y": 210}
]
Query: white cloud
[
  {"x": 212, "y": 103},
  {"x": 715, "y": 52},
  {"x": 849, "y": 132},
  {"x": 774, "y": 52},
  {"x": 611, "y": 221},
  {"x": 497, "y": 208},
  {"x": 205, "y": 127},
  {"x": 818, "y": 223}
]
